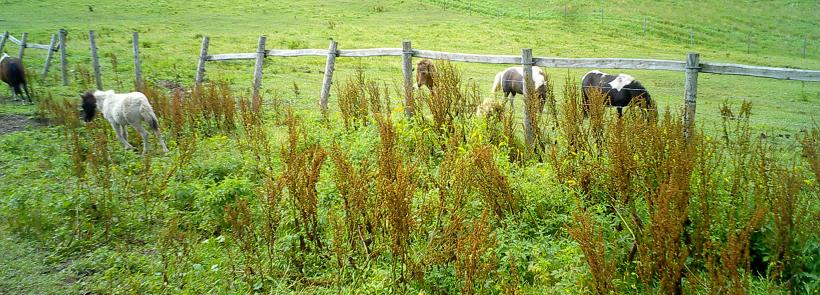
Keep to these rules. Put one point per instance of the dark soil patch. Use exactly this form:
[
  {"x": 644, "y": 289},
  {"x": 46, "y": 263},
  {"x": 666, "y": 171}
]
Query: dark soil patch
[{"x": 12, "y": 123}]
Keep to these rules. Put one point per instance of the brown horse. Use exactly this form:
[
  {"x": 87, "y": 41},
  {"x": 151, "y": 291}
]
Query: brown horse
[
  {"x": 13, "y": 73},
  {"x": 425, "y": 70}
]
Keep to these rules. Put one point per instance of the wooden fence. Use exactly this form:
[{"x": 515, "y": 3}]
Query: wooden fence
[
  {"x": 691, "y": 67},
  {"x": 57, "y": 44}
]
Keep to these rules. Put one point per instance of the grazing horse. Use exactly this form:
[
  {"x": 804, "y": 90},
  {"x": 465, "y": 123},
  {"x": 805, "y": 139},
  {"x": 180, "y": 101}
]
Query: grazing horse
[
  {"x": 511, "y": 81},
  {"x": 121, "y": 110},
  {"x": 425, "y": 70},
  {"x": 618, "y": 90},
  {"x": 13, "y": 73}
]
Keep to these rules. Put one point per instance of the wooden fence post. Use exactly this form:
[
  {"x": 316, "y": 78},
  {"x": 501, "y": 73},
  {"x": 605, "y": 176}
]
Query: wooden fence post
[
  {"x": 95, "y": 60},
  {"x": 63, "y": 65},
  {"x": 22, "y": 46},
  {"x": 260, "y": 61},
  {"x": 526, "y": 63},
  {"x": 137, "y": 62},
  {"x": 50, "y": 53},
  {"x": 328, "y": 80},
  {"x": 804, "y": 47},
  {"x": 691, "y": 91},
  {"x": 644, "y": 25},
  {"x": 200, "y": 67},
  {"x": 691, "y": 38},
  {"x": 3, "y": 42},
  {"x": 407, "y": 72}
]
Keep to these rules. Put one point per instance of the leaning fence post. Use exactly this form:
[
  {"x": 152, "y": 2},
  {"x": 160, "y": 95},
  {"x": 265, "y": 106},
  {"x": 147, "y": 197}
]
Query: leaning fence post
[
  {"x": 63, "y": 65},
  {"x": 407, "y": 72},
  {"x": 691, "y": 91},
  {"x": 137, "y": 62},
  {"x": 329, "y": 67},
  {"x": 50, "y": 53},
  {"x": 22, "y": 46},
  {"x": 260, "y": 61},
  {"x": 200, "y": 67},
  {"x": 526, "y": 63},
  {"x": 3, "y": 42},
  {"x": 95, "y": 60}
]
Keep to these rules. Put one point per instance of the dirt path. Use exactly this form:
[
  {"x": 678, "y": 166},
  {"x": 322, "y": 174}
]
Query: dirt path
[{"x": 12, "y": 123}]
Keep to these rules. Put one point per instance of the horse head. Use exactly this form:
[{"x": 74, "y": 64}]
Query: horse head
[
  {"x": 89, "y": 105},
  {"x": 425, "y": 70}
]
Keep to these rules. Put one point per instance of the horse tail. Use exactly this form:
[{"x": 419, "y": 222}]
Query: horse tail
[
  {"x": 149, "y": 116},
  {"x": 498, "y": 81}
]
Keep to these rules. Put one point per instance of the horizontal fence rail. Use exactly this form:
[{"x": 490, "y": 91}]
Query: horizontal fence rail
[
  {"x": 31, "y": 45},
  {"x": 547, "y": 62},
  {"x": 765, "y": 72}
]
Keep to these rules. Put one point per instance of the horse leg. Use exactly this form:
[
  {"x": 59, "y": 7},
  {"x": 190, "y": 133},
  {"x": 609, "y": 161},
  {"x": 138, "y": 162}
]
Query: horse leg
[
  {"x": 122, "y": 135},
  {"x": 144, "y": 135},
  {"x": 620, "y": 112},
  {"x": 28, "y": 94},
  {"x": 161, "y": 141},
  {"x": 16, "y": 93}
]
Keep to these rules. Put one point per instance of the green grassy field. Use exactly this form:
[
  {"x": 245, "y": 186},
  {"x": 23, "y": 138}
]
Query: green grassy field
[{"x": 57, "y": 244}]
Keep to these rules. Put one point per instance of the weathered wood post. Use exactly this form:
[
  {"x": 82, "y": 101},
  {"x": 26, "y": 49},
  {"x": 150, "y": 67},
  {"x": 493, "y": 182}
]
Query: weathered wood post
[
  {"x": 407, "y": 72},
  {"x": 691, "y": 91},
  {"x": 691, "y": 38},
  {"x": 95, "y": 60},
  {"x": 260, "y": 61},
  {"x": 63, "y": 62},
  {"x": 328, "y": 80},
  {"x": 804, "y": 47},
  {"x": 50, "y": 53},
  {"x": 644, "y": 25},
  {"x": 22, "y": 46},
  {"x": 200, "y": 67},
  {"x": 137, "y": 62},
  {"x": 3, "y": 42},
  {"x": 526, "y": 63}
]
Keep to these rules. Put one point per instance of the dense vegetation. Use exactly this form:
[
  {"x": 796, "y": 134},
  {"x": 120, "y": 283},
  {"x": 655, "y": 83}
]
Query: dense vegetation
[{"x": 266, "y": 194}]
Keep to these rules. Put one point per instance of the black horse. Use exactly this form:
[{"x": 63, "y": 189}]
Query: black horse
[
  {"x": 618, "y": 90},
  {"x": 13, "y": 73}
]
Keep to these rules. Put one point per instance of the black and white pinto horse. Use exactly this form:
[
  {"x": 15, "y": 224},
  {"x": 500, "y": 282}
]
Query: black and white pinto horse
[
  {"x": 618, "y": 90},
  {"x": 121, "y": 110},
  {"x": 13, "y": 73},
  {"x": 511, "y": 81}
]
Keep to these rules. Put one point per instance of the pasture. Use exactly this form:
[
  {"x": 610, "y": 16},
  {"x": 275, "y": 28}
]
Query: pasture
[{"x": 269, "y": 195}]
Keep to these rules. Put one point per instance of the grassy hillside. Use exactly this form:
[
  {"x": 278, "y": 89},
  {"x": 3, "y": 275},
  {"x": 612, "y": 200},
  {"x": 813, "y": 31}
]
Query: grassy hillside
[{"x": 225, "y": 212}]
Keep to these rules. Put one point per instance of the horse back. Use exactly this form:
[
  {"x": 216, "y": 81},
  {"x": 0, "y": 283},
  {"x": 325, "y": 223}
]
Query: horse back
[
  {"x": 512, "y": 81},
  {"x": 12, "y": 71}
]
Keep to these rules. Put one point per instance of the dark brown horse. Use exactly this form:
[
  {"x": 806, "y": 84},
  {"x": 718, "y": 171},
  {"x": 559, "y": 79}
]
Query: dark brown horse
[
  {"x": 13, "y": 73},
  {"x": 425, "y": 70}
]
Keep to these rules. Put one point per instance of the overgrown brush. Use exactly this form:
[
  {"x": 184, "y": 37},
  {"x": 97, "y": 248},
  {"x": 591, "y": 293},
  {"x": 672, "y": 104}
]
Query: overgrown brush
[
  {"x": 361, "y": 208},
  {"x": 353, "y": 99},
  {"x": 396, "y": 186},
  {"x": 451, "y": 98},
  {"x": 303, "y": 164},
  {"x": 590, "y": 236},
  {"x": 475, "y": 259}
]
